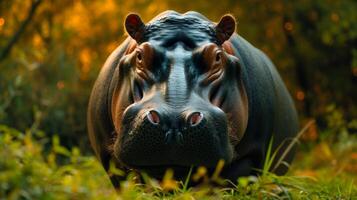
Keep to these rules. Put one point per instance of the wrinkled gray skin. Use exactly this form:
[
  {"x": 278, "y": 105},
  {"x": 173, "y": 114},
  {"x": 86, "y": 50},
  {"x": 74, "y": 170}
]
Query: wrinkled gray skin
[{"x": 172, "y": 116}]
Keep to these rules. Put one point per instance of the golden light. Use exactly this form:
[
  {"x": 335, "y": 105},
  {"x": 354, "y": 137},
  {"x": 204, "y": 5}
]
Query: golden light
[
  {"x": 335, "y": 17},
  {"x": 85, "y": 59},
  {"x": 60, "y": 85},
  {"x": 168, "y": 182},
  {"x": 2, "y": 21},
  {"x": 288, "y": 26},
  {"x": 311, "y": 134},
  {"x": 300, "y": 95},
  {"x": 354, "y": 156},
  {"x": 201, "y": 173},
  {"x": 354, "y": 71}
]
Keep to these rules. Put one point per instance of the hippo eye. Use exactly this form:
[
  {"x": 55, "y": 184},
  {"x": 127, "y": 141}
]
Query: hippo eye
[
  {"x": 139, "y": 57},
  {"x": 218, "y": 56}
]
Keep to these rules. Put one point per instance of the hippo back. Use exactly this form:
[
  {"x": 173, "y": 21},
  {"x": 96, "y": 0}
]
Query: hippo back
[{"x": 272, "y": 114}]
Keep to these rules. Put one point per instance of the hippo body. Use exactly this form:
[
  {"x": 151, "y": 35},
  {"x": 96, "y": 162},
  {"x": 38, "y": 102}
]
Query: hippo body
[{"x": 183, "y": 91}]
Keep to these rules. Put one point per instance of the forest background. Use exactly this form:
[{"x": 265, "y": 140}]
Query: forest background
[{"x": 51, "y": 52}]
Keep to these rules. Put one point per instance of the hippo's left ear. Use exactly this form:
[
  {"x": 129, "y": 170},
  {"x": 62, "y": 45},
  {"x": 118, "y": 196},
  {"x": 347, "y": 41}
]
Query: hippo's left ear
[
  {"x": 225, "y": 28},
  {"x": 135, "y": 27}
]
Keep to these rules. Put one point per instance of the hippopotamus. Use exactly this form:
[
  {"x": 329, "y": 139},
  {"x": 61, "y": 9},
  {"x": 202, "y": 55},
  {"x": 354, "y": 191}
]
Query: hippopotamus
[{"x": 181, "y": 92}]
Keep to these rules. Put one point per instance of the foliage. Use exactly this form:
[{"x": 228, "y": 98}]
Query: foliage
[{"x": 29, "y": 171}]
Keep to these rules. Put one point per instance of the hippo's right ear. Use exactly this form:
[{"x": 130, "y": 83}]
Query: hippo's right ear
[{"x": 135, "y": 27}]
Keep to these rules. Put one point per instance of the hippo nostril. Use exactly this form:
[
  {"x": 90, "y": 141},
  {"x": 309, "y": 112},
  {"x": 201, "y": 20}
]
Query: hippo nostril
[
  {"x": 153, "y": 117},
  {"x": 179, "y": 137},
  {"x": 174, "y": 136},
  {"x": 168, "y": 137},
  {"x": 195, "y": 118}
]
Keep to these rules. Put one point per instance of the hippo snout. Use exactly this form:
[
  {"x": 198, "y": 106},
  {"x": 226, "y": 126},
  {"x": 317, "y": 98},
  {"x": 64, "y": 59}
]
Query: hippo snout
[{"x": 167, "y": 137}]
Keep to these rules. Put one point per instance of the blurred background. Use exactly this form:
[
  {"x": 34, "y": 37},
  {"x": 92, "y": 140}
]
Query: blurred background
[{"x": 51, "y": 52}]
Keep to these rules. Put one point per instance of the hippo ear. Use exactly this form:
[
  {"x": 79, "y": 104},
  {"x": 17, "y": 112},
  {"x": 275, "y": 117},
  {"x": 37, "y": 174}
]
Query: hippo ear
[
  {"x": 135, "y": 27},
  {"x": 225, "y": 28}
]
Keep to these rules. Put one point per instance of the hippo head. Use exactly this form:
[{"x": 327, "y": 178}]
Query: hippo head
[{"x": 179, "y": 100}]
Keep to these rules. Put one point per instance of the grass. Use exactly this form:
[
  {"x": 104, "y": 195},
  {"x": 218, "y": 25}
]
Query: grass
[{"x": 35, "y": 167}]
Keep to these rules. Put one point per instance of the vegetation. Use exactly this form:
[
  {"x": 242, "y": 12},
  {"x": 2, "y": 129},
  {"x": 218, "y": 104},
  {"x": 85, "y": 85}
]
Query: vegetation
[
  {"x": 51, "y": 53},
  {"x": 29, "y": 171}
]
